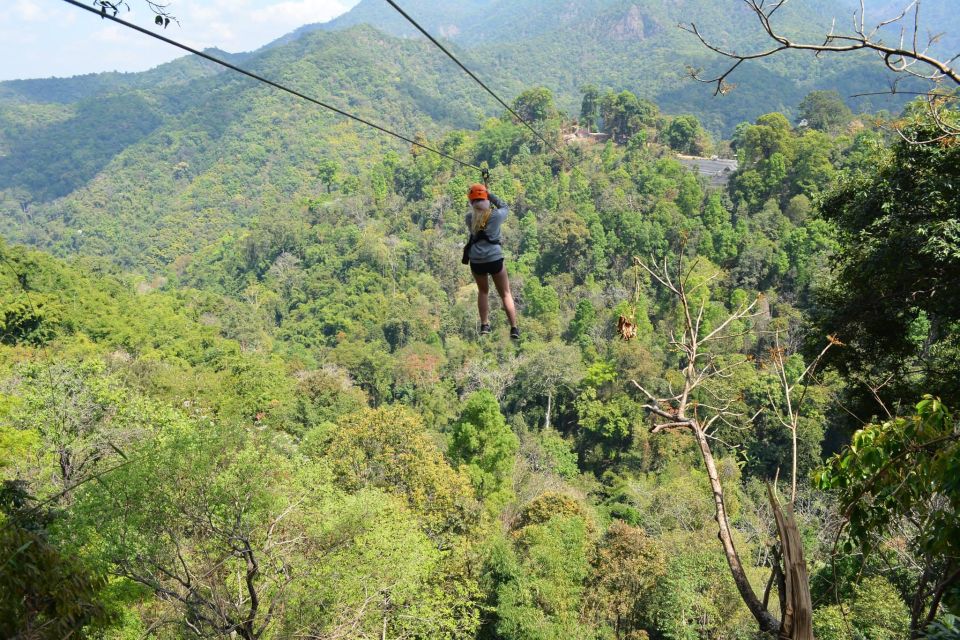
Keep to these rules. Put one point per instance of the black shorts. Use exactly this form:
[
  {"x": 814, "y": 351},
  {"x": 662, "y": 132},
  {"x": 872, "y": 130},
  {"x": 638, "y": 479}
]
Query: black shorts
[{"x": 487, "y": 268}]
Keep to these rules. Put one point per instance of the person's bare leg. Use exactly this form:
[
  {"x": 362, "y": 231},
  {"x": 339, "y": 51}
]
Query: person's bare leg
[
  {"x": 502, "y": 282},
  {"x": 483, "y": 297}
]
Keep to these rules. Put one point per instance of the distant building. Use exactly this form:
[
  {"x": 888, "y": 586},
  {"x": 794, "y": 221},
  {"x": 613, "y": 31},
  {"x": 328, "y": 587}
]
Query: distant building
[
  {"x": 582, "y": 134},
  {"x": 716, "y": 169}
]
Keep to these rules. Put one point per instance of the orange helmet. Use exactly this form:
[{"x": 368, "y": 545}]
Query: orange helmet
[{"x": 478, "y": 192}]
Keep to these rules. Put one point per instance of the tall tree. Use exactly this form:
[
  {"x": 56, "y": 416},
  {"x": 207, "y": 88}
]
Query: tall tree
[
  {"x": 590, "y": 107},
  {"x": 547, "y": 371},
  {"x": 893, "y": 298},
  {"x": 210, "y": 521},
  {"x": 535, "y": 105},
  {"x": 327, "y": 170},
  {"x": 481, "y": 440},
  {"x": 684, "y": 134},
  {"x": 825, "y": 111},
  {"x": 625, "y": 115},
  {"x": 625, "y": 569},
  {"x": 389, "y": 449}
]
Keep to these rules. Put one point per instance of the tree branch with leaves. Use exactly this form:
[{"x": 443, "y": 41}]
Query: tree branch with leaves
[
  {"x": 162, "y": 15},
  {"x": 898, "y": 480}
]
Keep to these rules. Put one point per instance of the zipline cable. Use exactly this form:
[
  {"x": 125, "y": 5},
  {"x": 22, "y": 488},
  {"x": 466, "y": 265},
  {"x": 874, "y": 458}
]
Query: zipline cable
[
  {"x": 20, "y": 277},
  {"x": 475, "y": 78},
  {"x": 104, "y": 14}
]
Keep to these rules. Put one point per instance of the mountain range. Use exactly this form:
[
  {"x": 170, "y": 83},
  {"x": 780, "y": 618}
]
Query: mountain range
[
  {"x": 149, "y": 167},
  {"x": 638, "y": 45}
]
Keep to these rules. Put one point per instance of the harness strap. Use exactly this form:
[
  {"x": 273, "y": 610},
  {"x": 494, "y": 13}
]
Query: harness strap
[{"x": 482, "y": 235}]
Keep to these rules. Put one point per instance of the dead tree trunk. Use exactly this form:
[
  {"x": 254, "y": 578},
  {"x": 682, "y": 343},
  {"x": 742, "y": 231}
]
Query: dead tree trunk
[
  {"x": 766, "y": 620},
  {"x": 546, "y": 425},
  {"x": 797, "y": 615}
]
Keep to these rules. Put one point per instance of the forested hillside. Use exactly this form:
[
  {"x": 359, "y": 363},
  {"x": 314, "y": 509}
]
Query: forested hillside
[
  {"x": 187, "y": 149},
  {"x": 243, "y": 393},
  {"x": 638, "y": 46},
  {"x": 87, "y": 160}
]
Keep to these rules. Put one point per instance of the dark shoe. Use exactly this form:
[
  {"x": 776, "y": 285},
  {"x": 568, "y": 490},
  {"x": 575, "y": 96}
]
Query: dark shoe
[
  {"x": 485, "y": 329},
  {"x": 514, "y": 333}
]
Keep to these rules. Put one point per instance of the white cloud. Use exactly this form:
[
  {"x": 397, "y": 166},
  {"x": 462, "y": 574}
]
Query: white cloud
[
  {"x": 295, "y": 13},
  {"x": 67, "y": 42},
  {"x": 113, "y": 34},
  {"x": 28, "y": 10},
  {"x": 242, "y": 25}
]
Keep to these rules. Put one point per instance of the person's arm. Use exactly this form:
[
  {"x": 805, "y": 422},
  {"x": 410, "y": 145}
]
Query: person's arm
[{"x": 499, "y": 205}]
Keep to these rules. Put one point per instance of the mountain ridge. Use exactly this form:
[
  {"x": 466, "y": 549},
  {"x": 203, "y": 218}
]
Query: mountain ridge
[
  {"x": 208, "y": 140},
  {"x": 637, "y": 45}
]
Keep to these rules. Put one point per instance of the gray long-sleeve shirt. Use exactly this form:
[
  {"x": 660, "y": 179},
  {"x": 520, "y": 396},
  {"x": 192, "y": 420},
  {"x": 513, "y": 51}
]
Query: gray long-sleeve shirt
[{"x": 481, "y": 250}]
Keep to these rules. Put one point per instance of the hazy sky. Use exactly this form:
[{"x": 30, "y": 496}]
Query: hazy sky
[{"x": 43, "y": 38}]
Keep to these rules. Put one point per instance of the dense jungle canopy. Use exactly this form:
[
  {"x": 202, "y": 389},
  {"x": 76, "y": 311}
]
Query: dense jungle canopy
[{"x": 242, "y": 391}]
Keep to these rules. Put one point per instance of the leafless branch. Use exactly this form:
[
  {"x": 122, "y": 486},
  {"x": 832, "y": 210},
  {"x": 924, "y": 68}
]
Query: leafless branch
[
  {"x": 909, "y": 57},
  {"x": 649, "y": 395},
  {"x": 703, "y": 368},
  {"x": 790, "y": 417}
]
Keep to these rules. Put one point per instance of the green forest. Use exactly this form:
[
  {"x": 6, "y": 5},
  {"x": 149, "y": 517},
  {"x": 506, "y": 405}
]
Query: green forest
[{"x": 243, "y": 393}]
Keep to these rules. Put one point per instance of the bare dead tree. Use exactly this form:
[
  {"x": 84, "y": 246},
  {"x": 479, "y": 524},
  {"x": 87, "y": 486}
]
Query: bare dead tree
[
  {"x": 682, "y": 412},
  {"x": 910, "y": 56},
  {"x": 700, "y": 408},
  {"x": 789, "y": 414}
]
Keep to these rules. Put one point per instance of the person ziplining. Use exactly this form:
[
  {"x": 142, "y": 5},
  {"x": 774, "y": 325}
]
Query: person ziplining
[{"x": 484, "y": 253}]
